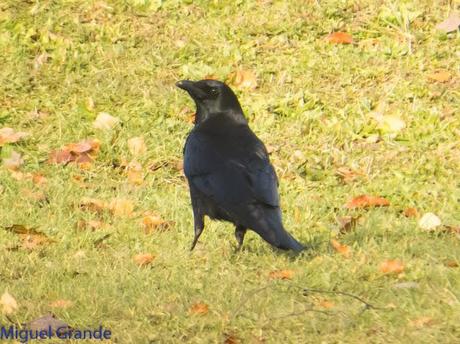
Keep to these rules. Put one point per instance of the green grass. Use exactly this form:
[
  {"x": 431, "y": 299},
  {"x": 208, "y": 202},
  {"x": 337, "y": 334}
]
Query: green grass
[{"x": 314, "y": 98}]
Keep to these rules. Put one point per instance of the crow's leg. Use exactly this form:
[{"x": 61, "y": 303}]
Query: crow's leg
[
  {"x": 240, "y": 231},
  {"x": 198, "y": 219}
]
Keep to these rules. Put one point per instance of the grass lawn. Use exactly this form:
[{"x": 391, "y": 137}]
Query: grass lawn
[{"x": 377, "y": 117}]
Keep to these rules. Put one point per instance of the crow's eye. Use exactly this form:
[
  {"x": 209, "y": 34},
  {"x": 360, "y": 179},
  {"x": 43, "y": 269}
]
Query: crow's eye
[{"x": 214, "y": 91}]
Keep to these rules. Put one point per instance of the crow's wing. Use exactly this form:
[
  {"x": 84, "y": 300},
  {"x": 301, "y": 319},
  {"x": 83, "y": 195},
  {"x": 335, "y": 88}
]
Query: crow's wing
[{"x": 247, "y": 177}]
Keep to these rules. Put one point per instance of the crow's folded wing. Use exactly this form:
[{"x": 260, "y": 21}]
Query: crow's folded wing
[{"x": 249, "y": 178}]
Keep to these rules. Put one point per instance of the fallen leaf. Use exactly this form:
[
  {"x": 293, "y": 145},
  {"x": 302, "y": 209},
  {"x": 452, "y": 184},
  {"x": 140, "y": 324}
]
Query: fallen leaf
[
  {"x": 199, "y": 308},
  {"x": 347, "y": 223},
  {"x": 391, "y": 266},
  {"x": 38, "y": 179},
  {"x": 422, "y": 322},
  {"x": 340, "y": 248},
  {"x": 105, "y": 121},
  {"x": 30, "y": 237},
  {"x": 451, "y": 263},
  {"x": 339, "y": 38},
  {"x": 91, "y": 225},
  {"x": 121, "y": 207},
  {"x": 281, "y": 274},
  {"x": 410, "y": 212},
  {"x": 365, "y": 201},
  {"x": 14, "y": 161},
  {"x": 243, "y": 79},
  {"x": 451, "y": 24},
  {"x": 61, "y": 304},
  {"x": 154, "y": 223},
  {"x": 93, "y": 204},
  {"x": 230, "y": 338},
  {"x": 143, "y": 259},
  {"x": 8, "y": 135},
  {"x": 347, "y": 174},
  {"x": 134, "y": 173},
  {"x": 429, "y": 222},
  {"x": 392, "y": 123},
  {"x": 60, "y": 156},
  {"x": 440, "y": 76},
  {"x": 451, "y": 229},
  {"x": 136, "y": 146},
  {"x": 8, "y": 303},
  {"x": 326, "y": 304}
]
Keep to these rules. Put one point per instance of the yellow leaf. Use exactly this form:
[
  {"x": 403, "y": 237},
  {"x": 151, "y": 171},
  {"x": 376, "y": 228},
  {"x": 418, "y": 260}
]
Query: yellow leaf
[
  {"x": 391, "y": 266},
  {"x": 136, "y": 146},
  {"x": 8, "y": 303},
  {"x": 143, "y": 259},
  {"x": 440, "y": 76},
  {"x": 61, "y": 304},
  {"x": 243, "y": 79},
  {"x": 199, "y": 308},
  {"x": 281, "y": 274},
  {"x": 340, "y": 248},
  {"x": 153, "y": 223},
  {"x": 121, "y": 207},
  {"x": 105, "y": 121},
  {"x": 391, "y": 123}
]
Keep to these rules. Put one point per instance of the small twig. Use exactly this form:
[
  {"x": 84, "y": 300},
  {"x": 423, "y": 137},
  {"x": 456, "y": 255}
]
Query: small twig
[
  {"x": 246, "y": 299},
  {"x": 367, "y": 305},
  {"x": 306, "y": 310}
]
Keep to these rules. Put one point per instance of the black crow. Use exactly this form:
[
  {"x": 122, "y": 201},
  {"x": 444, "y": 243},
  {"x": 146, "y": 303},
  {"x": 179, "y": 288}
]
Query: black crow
[{"x": 228, "y": 168}]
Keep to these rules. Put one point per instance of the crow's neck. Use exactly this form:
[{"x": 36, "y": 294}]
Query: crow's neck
[{"x": 230, "y": 117}]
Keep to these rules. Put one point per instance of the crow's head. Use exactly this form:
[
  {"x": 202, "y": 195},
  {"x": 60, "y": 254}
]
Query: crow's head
[{"x": 212, "y": 98}]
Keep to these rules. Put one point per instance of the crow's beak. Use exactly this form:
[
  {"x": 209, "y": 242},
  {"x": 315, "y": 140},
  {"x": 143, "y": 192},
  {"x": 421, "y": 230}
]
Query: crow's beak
[{"x": 186, "y": 85}]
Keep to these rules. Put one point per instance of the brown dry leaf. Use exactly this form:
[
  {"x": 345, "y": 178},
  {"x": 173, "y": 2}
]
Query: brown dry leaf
[
  {"x": 341, "y": 248},
  {"x": 339, "y": 38},
  {"x": 38, "y": 179},
  {"x": 37, "y": 196},
  {"x": 230, "y": 338},
  {"x": 451, "y": 24},
  {"x": 347, "y": 223},
  {"x": 8, "y": 303},
  {"x": 365, "y": 201},
  {"x": 61, "y": 304},
  {"x": 152, "y": 223},
  {"x": 93, "y": 204},
  {"x": 143, "y": 259},
  {"x": 391, "y": 266},
  {"x": 281, "y": 274},
  {"x": 243, "y": 79},
  {"x": 451, "y": 263},
  {"x": 347, "y": 174},
  {"x": 14, "y": 161},
  {"x": 91, "y": 225},
  {"x": 410, "y": 212},
  {"x": 105, "y": 121},
  {"x": 440, "y": 76},
  {"x": 8, "y": 135},
  {"x": 81, "y": 152},
  {"x": 326, "y": 304},
  {"x": 136, "y": 146},
  {"x": 422, "y": 322},
  {"x": 30, "y": 237},
  {"x": 60, "y": 156},
  {"x": 121, "y": 207},
  {"x": 134, "y": 173},
  {"x": 199, "y": 308}
]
